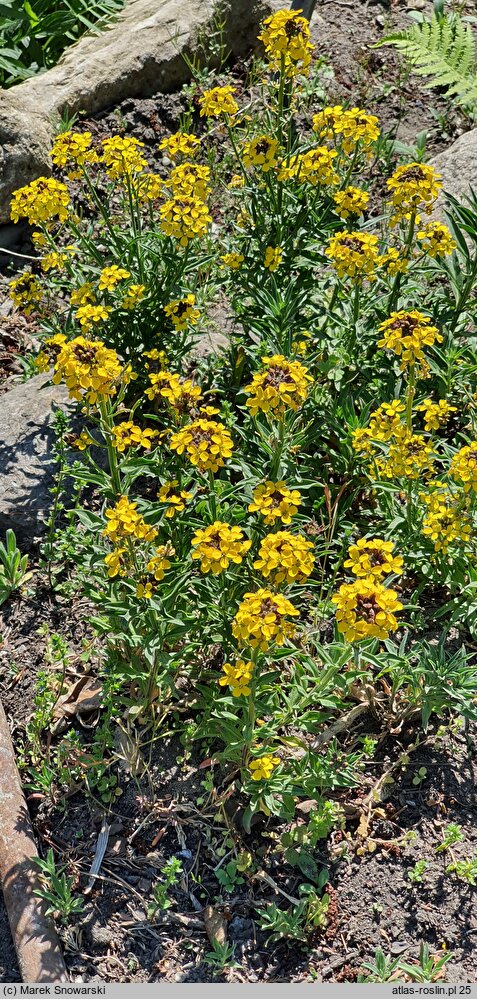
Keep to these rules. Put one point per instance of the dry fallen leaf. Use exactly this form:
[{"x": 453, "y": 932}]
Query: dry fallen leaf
[
  {"x": 215, "y": 925},
  {"x": 81, "y": 699}
]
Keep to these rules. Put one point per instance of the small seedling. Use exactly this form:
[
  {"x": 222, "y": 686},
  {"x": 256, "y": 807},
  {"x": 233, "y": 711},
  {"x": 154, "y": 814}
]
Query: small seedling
[
  {"x": 415, "y": 874},
  {"x": 420, "y": 776},
  {"x": 56, "y": 890},
  {"x": 453, "y": 834},
  {"x": 221, "y": 956},
  {"x": 13, "y": 567},
  {"x": 229, "y": 876},
  {"x": 465, "y": 869},
  {"x": 171, "y": 871}
]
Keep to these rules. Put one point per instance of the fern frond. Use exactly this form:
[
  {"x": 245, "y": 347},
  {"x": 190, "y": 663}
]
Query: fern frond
[{"x": 443, "y": 49}]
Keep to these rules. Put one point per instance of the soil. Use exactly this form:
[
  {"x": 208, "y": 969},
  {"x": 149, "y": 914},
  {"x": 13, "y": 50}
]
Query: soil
[{"x": 165, "y": 811}]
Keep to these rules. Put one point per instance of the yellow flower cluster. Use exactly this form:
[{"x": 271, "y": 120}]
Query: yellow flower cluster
[
  {"x": 463, "y": 467},
  {"x": 87, "y": 315},
  {"x": 26, "y": 291},
  {"x": 55, "y": 261},
  {"x": 185, "y": 218},
  {"x": 134, "y": 295},
  {"x": 233, "y": 260},
  {"x": 41, "y": 201},
  {"x": 89, "y": 368},
  {"x": 354, "y": 254},
  {"x": 316, "y": 167},
  {"x": 207, "y": 444},
  {"x": 373, "y": 558},
  {"x": 73, "y": 147},
  {"x": 111, "y": 276},
  {"x": 366, "y": 609},
  {"x": 351, "y": 126},
  {"x": 125, "y": 522},
  {"x": 181, "y": 312},
  {"x": 445, "y": 522},
  {"x": 83, "y": 294},
  {"x": 286, "y": 38},
  {"x": 283, "y": 385},
  {"x": 218, "y": 101},
  {"x": 409, "y": 458},
  {"x": 175, "y": 501},
  {"x": 260, "y": 619},
  {"x": 275, "y": 501},
  {"x": 218, "y": 545},
  {"x": 157, "y": 568},
  {"x": 350, "y": 201},
  {"x": 181, "y": 395},
  {"x": 436, "y": 240},
  {"x": 435, "y": 413},
  {"x": 273, "y": 257},
  {"x": 189, "y": 180},
  {"x": 395, "y": 261},
  {"x": 413, "y": 186},
  {"x": 263, "y": 767},
  {"x": 127, "y": 435},
  {"x": 406, "y": 334},
  {"x": 237, "y": 677},
  {"x": 261, "y": 152},
  {"x": 122, "y": 156},
  {"x": 285, "y": 558},
  {"x": 384, "y": 423},
  {"x": 180, "y": 144}
]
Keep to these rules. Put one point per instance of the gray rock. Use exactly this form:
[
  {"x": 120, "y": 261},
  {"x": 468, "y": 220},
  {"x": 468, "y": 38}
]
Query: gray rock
[
  {"x": 27, "y": 465},
  {"x": 458, "y": 166},
  {"x": 140, "y": 54}
]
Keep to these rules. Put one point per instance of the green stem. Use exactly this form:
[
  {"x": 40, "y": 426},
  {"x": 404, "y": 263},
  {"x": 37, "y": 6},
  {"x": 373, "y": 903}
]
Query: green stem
[
  {"x": 212, "y": 496},
  {"x": 275, "y": 465},
  {"x": 406, "y": 253},
  {"x": 106, "y": 425},
  {"x": 411, "y": 389},
  {"x": 462, "y": 300}
]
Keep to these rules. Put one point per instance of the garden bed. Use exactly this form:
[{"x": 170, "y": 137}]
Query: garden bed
[{"x": 170, "y": 797}]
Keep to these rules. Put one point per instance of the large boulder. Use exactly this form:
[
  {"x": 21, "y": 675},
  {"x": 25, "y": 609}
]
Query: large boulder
[
  {"x": 458, "y": 166},
  {"x": 27, "y": 464},
  {"x": 144, "y": 51}
]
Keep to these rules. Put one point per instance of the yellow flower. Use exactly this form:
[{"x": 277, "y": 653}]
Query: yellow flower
[
  {"x": 275, "y": 501},
  {"x": 352, "y": 126},
  {"x": 54, "y": 261},
  {"x": 181, "y": 311},
  {"x": 88, "y": 315},
  {"x": 233, "y": 260},
  {"x": 261, "y": 152},
  {"x": 354, "y": 254},
  {"x": 144, "y": 591},
  {"x": 463, "y": 466},
  {"x": 121, "y": 156},
  {"x": 395, "y": 261},
  {"x": 189, "y": 180},
  {"x": 273, "y": 257},
  {"x": 115, "y": 562},
  {"x": 366, "y": 609},
  {"x": 74, "y": 147},
  {"x": 263, "y": 767},
  {"x": 435, "y": 413},
  {"x": 260, "y": 619},
  {"x": 89, "y": 369},
  {"x": 350, "y": 201},
  {"x": 26, "y": 291},
  {"x": 111, "y": 276},
  {"x": 285, "y": 557},
  {"x": 52, "y": 348},
  {"x": 181, "y": 395},
  {"x": 148, "y": 186},
  {"x": 373, "y": 557},
  {"x": 283, "y": 385},
  {"x": 40, "y": 201},
  {"x": 315, "y": 167},
  {"x": 127, "y": 435},
  {"x": 83, "y": 294},
  {"x": 413, "y": 186},
  {"x": 410, "y": 457},
  {"x": 185, "y": 218},
  {"x": 445, "y": 522},
  {"x": 207, "y": 444},
  {"x": 236, "y": 181},
  {"x": 180, "y": 144},
  {"x": 82, "y": 442},
  {"x": 218, "y": 101},
  {"x": 436, "y": 240},
  {"x": 176, "y": 501},
  {"x": 160, "y": 562},
  {"x": 286, "y": 38},
  {"x": 237, "y": 677},
  {"x": 406, "y": 334},
  {"x": 217, "y": 545},
  {"x": 125, "y": 522},
  {"x": 135, "y": 294}
]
